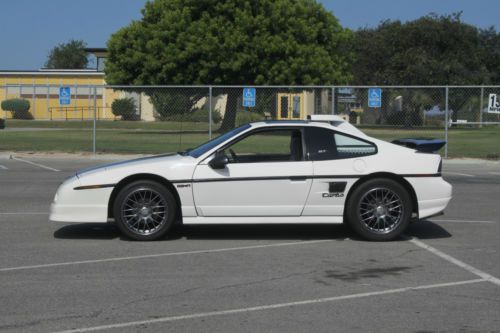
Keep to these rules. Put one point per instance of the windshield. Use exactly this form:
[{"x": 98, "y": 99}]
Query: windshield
[{"x": 200, "y": 150}]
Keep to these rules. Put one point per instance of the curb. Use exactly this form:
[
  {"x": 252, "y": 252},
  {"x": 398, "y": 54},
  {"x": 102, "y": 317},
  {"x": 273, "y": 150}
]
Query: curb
[{"x": 78, "y": 156}]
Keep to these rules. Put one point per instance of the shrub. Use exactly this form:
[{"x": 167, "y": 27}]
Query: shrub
[
  {"x": 202, "y": 116},
  {"x": 405, "y": 118},
  {"x": 197, "y": 116},
  {"x": 434, "y": 122},
  {"x": 125, "y": 107},
  {"x": 169, "y": 104},
  {"x": 244, "y": 117},
  {"x": 18, "y": 107}
]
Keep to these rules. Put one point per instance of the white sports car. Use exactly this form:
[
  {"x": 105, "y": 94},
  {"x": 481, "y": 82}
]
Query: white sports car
[{"x": 321, "y": 170}]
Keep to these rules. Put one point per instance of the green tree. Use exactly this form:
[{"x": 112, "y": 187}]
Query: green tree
[
  {"x": 490, "y": 54},
  {"x": 284, "y": 42},
  {"x": 432, "y": 50},
  {"x": 70, "y": 55}
]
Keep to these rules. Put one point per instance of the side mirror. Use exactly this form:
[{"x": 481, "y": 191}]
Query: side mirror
[{"x": 219, "y": 161}]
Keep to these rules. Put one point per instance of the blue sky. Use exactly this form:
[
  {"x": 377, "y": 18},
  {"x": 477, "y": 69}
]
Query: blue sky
[{"x": 32, "y": 27}]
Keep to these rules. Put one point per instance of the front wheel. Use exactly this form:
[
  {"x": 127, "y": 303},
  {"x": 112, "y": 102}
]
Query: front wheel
[
  {"x": 379, "y": 209},
  {"x": 144, "y": 210}
]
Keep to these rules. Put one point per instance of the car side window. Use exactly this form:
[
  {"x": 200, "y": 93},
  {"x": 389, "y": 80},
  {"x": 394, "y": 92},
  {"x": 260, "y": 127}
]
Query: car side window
[
  {"x": 276, "y": 145},
  {"x": 348, "y": 146},
  {"x": 324, "y": 144}
]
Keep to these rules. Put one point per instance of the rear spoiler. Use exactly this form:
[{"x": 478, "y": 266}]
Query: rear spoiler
[{"x": 425, "y": 145}]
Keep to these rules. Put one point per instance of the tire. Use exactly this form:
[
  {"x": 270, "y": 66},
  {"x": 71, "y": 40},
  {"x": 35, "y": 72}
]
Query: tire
[
  {"x": 144, "y": 210},
  {"x": 379, "y": 209}
]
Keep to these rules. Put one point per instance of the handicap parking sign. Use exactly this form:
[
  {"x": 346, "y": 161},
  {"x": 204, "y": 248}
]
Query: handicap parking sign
[
  {"x": 64, "y": 95},
  {"x": 374, "y": 97},
  {"x": 249, "y": 97}
]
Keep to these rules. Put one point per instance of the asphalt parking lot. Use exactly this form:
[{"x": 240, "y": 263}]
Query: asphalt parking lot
[{"x": 443, "y": 276}]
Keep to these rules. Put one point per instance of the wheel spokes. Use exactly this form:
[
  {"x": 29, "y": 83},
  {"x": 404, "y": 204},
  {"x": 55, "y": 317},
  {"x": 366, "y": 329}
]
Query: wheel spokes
[
  {"x": 380, "y": 210},
  {"x": 144, "y": 211}
]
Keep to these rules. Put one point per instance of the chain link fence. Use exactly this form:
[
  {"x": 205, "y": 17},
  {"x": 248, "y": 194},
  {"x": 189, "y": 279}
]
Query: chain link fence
[{"x": 157, "y": 119}]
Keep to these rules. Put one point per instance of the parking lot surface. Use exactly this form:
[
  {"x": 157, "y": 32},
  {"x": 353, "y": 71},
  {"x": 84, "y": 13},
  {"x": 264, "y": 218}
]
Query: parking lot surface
[{"x": 442, "y": 276}]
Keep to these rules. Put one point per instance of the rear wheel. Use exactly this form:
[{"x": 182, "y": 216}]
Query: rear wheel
[
  {"x": 379, "y": 209},
  {"x": 144, "y": 210}
]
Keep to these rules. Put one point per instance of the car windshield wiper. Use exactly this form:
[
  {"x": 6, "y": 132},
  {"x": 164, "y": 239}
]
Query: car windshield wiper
[{"x": 184, "y": 152}]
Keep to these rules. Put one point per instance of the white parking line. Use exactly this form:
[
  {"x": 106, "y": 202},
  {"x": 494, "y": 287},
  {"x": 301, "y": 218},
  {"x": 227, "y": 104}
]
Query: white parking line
[
  {"x": 494, "y": 173},
  {"x": 457, "y": 262},
  {"x": 462, "y": 221},
  {"x": 168, "y": 254},
  {"x": 458, "y": 174},
  {"x": 3, "y": 167},
  {"x": 35, "y": 164},
  {"x": 269, "y": 306}
]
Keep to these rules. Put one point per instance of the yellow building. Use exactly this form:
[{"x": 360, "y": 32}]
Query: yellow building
[{"x": 41, "y": 89}]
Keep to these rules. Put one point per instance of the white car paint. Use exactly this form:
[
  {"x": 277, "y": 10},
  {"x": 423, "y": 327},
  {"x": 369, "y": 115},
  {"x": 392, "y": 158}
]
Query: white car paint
[
  {"x": 263, "y": 197},
  {"x": 286, "y": 197}
]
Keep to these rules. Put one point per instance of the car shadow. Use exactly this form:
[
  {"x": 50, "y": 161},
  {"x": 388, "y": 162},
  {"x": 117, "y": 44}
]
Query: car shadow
[
  {"x": 422, "y": 230},
  {"x": 426, "y": 229},
  {"x": 267, "y": 231},
  {"x": 88, "y": 231}
]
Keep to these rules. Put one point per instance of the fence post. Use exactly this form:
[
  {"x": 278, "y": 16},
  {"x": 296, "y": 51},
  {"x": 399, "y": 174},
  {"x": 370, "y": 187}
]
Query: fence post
[
  {"x": 446, "y": 124},
  {"x": 333, "y": 100},
  {"x": 47, "y": 102},
  {"x": 209, "y": 112},
  {"x": 75, "y": 97},
  {"x": 481, "y": 108},
  {"x": 89, "y": 89},
  {"x": 5, "y": 88},
  {"x": 94, "y": 123},
  {"x": 33, "y": 96}
]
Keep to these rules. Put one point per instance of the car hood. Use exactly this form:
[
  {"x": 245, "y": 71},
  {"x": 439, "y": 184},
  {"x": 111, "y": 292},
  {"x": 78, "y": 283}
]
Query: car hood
[{"x": 172, "y": 157}]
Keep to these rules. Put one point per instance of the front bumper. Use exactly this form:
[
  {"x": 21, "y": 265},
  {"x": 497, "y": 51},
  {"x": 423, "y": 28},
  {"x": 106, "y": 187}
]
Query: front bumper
[
  {"x": 72, "y": 205},
  {"x": 78, "y": 213}
]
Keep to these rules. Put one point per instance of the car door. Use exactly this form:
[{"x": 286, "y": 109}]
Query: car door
[
  {"x": 265, "y": 175},
  {"x": 339, "y": 160}
]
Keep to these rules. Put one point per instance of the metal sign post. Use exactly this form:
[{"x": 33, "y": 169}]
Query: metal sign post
[
  {"x": 446, "y": 123},
  {"x": 210, "y": 113},
  {"x": 333, "y": 100},
  {"x": 94, "y": 123}
]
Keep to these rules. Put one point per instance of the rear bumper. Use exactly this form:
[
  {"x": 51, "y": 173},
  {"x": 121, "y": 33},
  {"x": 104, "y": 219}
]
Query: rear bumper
[
  {"x": 430, "y": 208},
  {"x": 433, "y": 195}
]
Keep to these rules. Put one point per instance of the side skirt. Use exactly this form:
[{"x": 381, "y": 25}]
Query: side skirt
[{"x": 263, "y": 220}]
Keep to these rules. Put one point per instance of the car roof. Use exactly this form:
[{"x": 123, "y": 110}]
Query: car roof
[{"x": 341, "y": 126}]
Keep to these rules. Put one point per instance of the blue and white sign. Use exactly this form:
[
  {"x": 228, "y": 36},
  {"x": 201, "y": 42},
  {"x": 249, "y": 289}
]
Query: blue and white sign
[
  {"x": 374, "y": 98},
  {"x": 249, "y": 97},
  {"x": 64, "y": 95}
]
